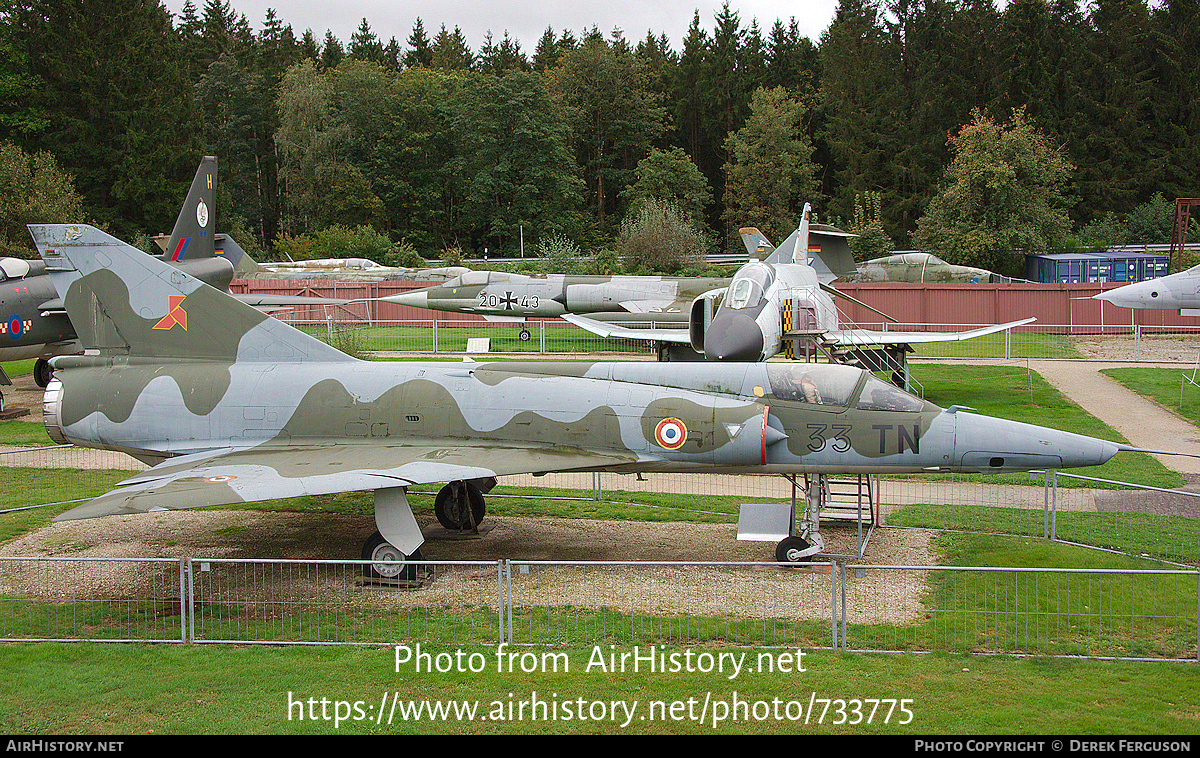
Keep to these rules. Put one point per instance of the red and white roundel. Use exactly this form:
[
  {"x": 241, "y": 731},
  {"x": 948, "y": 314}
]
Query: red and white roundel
[
  {"x": 670, "y": 433},
  {"x": 220, "y": 479}
]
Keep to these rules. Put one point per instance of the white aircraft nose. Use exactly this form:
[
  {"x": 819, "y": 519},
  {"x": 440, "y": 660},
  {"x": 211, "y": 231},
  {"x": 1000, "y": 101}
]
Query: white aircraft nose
[
  {"x": 1140, "y": 295},
  {"x": 416, "y": 298}
]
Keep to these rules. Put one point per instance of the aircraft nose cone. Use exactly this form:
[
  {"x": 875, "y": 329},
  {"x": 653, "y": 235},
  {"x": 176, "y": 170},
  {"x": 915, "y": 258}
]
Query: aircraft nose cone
[
  {"x": 1139, "y": 295},
  {"x": 416, "y": 298},
  {"x": 733, "y": 337}
]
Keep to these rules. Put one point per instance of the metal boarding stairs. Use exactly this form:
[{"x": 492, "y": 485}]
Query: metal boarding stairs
[
  {"x": 848, "y": 499},
  {"x": 804, "y": 342}
]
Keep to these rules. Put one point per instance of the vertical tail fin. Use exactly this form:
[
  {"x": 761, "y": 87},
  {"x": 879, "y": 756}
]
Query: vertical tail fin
[
  {"x": 192, "y": 237},
  {"x": 124, "y": 302}
]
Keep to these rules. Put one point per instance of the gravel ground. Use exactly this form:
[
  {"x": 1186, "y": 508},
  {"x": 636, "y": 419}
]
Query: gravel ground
[{"x": 760, "y": 590}]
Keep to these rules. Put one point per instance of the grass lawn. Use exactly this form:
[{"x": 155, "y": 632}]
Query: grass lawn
[
  {"x": 167, "y": 689},
  {"x": 1165, "y": 386}
]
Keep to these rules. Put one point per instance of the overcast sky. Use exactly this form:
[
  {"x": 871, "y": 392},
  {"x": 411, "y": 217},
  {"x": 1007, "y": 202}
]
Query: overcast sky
[{"x": 524, "y": 21}]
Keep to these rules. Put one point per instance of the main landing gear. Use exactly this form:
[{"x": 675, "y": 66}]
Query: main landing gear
[
  {"x": 459, "y": 506},
  {"x": 391, "y": 562},
  {"x": 42, "y": 372}
]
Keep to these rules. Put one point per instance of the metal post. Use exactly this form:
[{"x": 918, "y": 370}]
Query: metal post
[
  {"x": 508, "y": 604},
  {"x": 1054, "y": 508},
  {"x": 837, "y": 570},
  {"x": 542, "y": 335},
  {"x": 191, "y": 602},
  {"x": 184, "y": 601},
  {"x": 435, "y": 337},
  {"x": 1046, "y": 506},
  {"x": 501, "y": 601}
]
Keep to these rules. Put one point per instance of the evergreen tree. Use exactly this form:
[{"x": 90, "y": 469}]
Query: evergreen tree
[
  {"x": 419, "y": 52},
  {"x": 450, "y": 51},
  {"x": 770, "y": 173},
  {"x": 364, "y": 45},
  {"x": 515, "y": 162},
  {"x": 238, "y": 116},
  {"x": 792, "y": 60},
  {"x": 310, "y": 49},
  {"x": 497, "y": 58},
  {"x": 613, "y": 117},
  {"x": 545, "y": 55},
  {"x": 332, "y": 52},
  {"x": 1177, "y": 114},
  {"x": 117, "y": 93},
  {"x": 687, "y": 110},
  {"x": 1121, "y": 158},
  {"x": 18, "y": 115},
  {"x": 861, "y": 95}
]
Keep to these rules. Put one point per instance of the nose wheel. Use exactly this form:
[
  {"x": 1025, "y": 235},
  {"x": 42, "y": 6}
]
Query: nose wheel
[{"x": 800, "y": 548}]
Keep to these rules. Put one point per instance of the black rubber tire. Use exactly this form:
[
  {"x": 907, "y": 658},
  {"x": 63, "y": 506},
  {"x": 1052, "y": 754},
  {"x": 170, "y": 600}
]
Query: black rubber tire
[
  {"x": 376, "y": 548},
  {"x": 791, "y": 545},
  {"x": 452, "y": 514}
]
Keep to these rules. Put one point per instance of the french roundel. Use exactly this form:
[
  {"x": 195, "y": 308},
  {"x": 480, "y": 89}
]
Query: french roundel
[{"x": 670, "y": 433}]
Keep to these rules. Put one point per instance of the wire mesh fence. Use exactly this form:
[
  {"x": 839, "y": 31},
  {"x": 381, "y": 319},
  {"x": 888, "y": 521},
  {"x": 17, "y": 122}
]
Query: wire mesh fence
[
  {"x": 1100, "y": 613},
  {"x": 111, "y": 599},
  {"x": 337, "y": 602},
  {"x": 1052, "y": 612}
]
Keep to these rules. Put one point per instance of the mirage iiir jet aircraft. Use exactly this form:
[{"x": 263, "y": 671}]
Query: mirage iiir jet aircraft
[{"x": 229, "y": 405}]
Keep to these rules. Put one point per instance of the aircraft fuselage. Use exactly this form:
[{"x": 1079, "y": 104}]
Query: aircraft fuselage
[{"x": 749, "y": 418}]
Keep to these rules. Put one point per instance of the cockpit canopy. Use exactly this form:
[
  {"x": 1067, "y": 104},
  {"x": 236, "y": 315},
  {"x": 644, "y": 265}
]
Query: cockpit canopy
[
  {"x": 833, "y": 384},
  {"x": 820, "y": 383},
  {"x": 748, "y": 286},
  {"x": 13, "y": 268}
]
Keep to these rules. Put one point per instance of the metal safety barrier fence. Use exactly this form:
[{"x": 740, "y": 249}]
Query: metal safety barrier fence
[{"x": 1132, "y": 615}]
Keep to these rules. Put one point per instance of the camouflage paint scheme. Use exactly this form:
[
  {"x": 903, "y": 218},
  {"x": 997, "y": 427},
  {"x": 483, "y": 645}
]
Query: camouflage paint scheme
[
  {"x": 37, "y": 325},
  {"x": 918, "y": 268},
  {"x": 232, "y": 406}
]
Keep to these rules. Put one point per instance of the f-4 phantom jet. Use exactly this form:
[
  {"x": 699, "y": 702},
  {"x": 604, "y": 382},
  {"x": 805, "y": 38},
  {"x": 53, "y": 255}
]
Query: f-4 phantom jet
[
  {"x": 784, "y": 298},
  {"x": 228, "y": 405}
]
